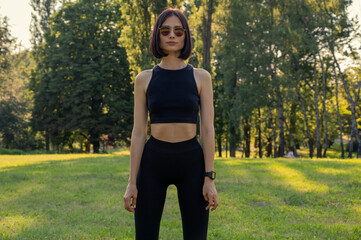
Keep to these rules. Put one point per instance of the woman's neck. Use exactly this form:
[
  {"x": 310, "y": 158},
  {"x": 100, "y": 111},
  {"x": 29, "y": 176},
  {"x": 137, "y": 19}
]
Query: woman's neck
[{"x": 172, "y": 63}]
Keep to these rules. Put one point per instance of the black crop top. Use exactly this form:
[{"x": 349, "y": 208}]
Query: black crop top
[{"x": 172, "y": 95}]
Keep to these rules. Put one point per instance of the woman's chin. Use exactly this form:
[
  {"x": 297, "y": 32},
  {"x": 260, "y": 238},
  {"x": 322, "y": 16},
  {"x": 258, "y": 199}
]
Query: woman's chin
[{"x": 171, "y": 51}]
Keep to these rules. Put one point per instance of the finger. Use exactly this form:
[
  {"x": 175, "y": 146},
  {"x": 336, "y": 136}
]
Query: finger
[
  {"x": 210, "y": 202},
  {"x": 125, "y": 198},
  {"x": 131, "y": 210},
  {"x": 216, "y": 202},
  {"x": 131, "y": 207},
  {"x": 209, "y": 205},
  {"x": 135, "y": 202},
  {"x": 127, "y": 204},
  {"x": 134, "y": 199}
]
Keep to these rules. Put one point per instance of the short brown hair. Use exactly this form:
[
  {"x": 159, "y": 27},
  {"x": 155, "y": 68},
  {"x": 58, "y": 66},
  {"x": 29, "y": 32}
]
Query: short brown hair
[{"x": 154, "y": 45}]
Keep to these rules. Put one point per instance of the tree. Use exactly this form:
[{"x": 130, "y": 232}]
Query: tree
[
  {"x": 86, "y": 83},
  {"x": 339, "y": 35},
  {"x": 40, "y": 17},
  {"x": 139, "y": 17}
]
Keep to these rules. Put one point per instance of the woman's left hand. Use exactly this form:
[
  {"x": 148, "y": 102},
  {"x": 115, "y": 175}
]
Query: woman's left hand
[{"x": 210, "y": 193}]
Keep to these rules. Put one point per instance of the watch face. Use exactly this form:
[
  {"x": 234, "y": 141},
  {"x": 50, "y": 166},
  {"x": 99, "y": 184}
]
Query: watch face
[{"x": 211, "y": 174}]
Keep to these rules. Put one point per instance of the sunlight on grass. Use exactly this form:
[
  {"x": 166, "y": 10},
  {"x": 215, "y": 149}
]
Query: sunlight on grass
[
  {"x": 122, "y": 152},
  {"x": 332, "y": 170},
  {"x": 20, "y": 160},
  {"x": 296, "y": 179},
  {"x": 240, "y": 161},
  {"x": 339, "y": 160},
  {"x": 357, "y": 208},
  {"x": 232, "y": 162},
  {"x": 11, "y": 225}
]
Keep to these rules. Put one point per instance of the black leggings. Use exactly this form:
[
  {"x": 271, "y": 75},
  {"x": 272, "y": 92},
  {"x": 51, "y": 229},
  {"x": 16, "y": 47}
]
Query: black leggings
[{"x": 162, "y": 164}]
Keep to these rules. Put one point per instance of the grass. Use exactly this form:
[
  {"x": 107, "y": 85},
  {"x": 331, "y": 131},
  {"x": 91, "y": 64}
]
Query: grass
[{"x": 80, "y": 196}]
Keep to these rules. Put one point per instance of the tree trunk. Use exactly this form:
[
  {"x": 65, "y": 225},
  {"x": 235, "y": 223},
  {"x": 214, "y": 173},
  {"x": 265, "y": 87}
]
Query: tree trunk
[
  {"x": 259, "y": 134},
  {"x": 350, "y": 145},
  {"x": 255, "y": 144},
  {"x": 269, "y": 146},
  {"x": 232, "y": 141},
  {"x": 103, "y": 144},
  {"x": 292, "y": 139},
  {"x": 275, "y": 155},
  {"x": 310, "y": 144},
  {"x": 281, "y": 151},
  {"x": 353, "y": 108},
  {"x": 227, "y": 146},
  {"x": 315, "y": 98},
  {"x": 94, "y": 140},
  {"x": 219, "y": 143},
  {"x": 278, "y": 93},
  {"x": 338, "y": 111},
  {"x": 47, "y": 140},
  {"x": 247, "y": 135},
  {"x": 207, "y": 33},
  {"x": 87, "y": 147},
  {"x": 324, "y": 84},
  {"x": 243, "y": 148}
]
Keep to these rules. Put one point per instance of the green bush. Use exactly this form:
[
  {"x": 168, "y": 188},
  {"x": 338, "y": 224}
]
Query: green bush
[{"x": 11, "y": 151}]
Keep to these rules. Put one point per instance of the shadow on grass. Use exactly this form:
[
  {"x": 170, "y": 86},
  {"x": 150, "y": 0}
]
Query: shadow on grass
[{"x": 289, "y": 198}]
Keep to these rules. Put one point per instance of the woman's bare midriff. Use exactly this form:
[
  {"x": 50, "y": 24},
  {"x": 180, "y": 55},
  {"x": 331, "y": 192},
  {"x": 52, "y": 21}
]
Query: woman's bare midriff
[{"x": 173, "y": 132}]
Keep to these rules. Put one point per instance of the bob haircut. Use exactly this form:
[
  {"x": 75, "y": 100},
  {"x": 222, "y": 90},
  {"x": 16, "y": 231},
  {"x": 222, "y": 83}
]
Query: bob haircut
[{"x": 154, "y": 45}]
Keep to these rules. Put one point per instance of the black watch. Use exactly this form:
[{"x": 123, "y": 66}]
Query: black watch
[{"x": 211, "y": 175}]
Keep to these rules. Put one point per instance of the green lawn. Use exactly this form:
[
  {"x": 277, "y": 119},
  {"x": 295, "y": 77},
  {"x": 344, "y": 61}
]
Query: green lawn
[{"x": 80, "y": 196}]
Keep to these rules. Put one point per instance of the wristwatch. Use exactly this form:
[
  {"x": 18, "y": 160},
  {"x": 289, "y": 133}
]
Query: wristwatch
[{"x": 211, "y": 175}]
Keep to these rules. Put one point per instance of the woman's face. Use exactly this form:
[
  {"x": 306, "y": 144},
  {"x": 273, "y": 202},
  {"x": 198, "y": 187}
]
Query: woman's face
[{"x": 172, "y": 22}]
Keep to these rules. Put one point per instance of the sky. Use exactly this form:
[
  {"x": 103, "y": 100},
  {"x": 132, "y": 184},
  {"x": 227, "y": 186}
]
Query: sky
[{"x": 19, "y": 14}]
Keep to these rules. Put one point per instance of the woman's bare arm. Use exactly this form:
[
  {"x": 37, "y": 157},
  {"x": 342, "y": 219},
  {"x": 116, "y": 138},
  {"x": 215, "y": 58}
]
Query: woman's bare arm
[
  {"x": 207, "y": 118},
  {"x": 139, "y": 132},
  {"x": 207, "y": 137}
]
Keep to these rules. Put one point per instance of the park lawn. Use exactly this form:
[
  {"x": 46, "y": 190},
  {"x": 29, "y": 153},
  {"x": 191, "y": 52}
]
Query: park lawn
[{"x": 80, "y": 196}]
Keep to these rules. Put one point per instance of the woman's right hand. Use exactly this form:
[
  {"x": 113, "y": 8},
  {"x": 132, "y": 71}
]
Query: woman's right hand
[{"x": 131, "y": 193}]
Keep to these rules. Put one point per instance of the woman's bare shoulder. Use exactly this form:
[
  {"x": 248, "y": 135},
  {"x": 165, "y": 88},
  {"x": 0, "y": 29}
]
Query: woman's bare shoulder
[
  {"x": 202, "y": 74},
  {"x": 143, "y": 79},
  {"x": 144, "y": 75},
  {"x": 203, "y": 77}
]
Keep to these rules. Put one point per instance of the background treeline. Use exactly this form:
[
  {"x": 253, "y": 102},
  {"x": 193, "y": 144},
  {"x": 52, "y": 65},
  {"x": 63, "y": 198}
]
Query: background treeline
[{"x": 286, "y": 74}]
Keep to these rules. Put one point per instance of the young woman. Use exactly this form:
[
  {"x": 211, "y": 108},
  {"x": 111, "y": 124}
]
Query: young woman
[{"x": 172, "y": 91}]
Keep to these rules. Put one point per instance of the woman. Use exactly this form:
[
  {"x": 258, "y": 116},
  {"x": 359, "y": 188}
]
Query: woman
[{"x": 172, "y": 91}]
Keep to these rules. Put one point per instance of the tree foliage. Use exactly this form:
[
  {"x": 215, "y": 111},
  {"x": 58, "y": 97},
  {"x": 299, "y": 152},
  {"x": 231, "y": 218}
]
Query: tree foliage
[{"x": 85, "y": 84}]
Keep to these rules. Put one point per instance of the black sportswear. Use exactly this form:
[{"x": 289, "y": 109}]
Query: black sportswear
[
  {"x": 162, "y": 164},
  {"x": 172, "y": 95}
]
